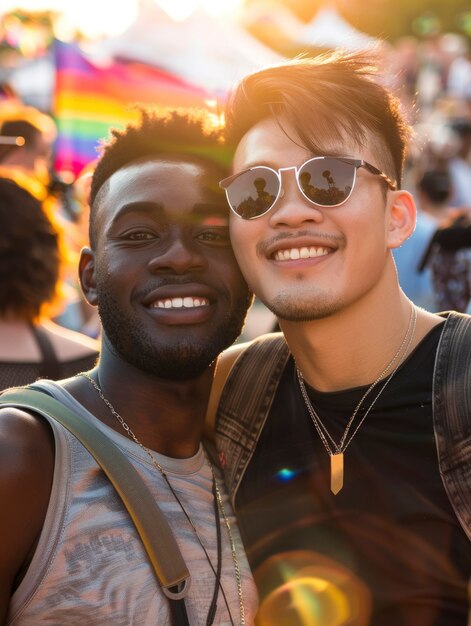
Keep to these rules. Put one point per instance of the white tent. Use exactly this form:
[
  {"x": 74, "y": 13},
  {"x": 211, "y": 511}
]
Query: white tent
[
  {"x": 206, "y": 51},
  {"x": 328, "y": 29}
]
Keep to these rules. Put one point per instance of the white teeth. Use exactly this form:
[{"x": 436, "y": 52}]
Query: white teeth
[
  {"x": 300, "y": 253},
  {"x": 188, "y": 302}
]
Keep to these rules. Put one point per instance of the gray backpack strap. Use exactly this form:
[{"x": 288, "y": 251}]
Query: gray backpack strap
[
  {"x": 245, "y": 403},
  {"x": 151, "y": 524},
  {"x": 452, "y": 414}
]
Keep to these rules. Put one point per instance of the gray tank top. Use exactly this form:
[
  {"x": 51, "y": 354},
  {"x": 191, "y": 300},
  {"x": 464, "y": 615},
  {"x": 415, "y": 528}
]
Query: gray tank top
[{"x": 90, "y": 568}]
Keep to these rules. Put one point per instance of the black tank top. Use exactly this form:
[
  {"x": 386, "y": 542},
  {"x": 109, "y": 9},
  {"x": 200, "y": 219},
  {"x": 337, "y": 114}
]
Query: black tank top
[{"x": 389, "y": 542}]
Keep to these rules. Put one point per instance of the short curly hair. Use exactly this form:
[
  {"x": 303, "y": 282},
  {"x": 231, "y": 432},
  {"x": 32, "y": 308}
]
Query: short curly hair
[
  {"x": 186, "y": 132},
  {"x": 29, "y": 254}
]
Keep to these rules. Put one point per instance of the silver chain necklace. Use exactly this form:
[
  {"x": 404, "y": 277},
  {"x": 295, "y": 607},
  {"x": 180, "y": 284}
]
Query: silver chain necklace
[
  {"x": 336, "y": 450},
  {"x": 217, "y": 495}
]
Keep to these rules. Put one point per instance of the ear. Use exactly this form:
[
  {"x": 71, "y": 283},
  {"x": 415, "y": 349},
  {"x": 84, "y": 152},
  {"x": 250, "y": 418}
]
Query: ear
[
  {"x": 87, "y": 275},
  {"x": 402, "y": 218}
]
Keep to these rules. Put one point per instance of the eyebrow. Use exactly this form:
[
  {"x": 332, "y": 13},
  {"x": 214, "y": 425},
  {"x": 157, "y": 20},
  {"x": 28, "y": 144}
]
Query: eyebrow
[
  {"x": 205, "y": 209},
  {"x": 137, "y": 207}
]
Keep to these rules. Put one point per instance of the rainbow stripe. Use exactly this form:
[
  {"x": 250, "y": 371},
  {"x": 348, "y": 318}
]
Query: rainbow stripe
[{"x": 88, "y": 100}]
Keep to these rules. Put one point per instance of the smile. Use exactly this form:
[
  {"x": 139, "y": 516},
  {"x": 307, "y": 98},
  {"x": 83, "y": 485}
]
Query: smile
[
  {"x": 188, "y": 302},
  {"x": 305, "y": 252}
]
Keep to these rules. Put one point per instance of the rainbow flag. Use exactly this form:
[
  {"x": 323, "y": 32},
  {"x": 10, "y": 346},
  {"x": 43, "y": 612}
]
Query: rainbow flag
[{"x": 89, "y": 99}]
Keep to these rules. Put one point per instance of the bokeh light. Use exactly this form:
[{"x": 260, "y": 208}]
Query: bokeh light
[
  {"x": 109, "y": 18},
  {"x": 304, "y": 588}
]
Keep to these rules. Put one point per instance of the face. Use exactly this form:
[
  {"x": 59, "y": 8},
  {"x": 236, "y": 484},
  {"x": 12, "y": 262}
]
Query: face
[
  {"x": 169, "y": 291},
  {"x": 304, "y": 261}
]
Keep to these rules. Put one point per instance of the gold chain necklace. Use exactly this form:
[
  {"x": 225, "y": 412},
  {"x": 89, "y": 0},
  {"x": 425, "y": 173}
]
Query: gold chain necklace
[
  {"x": 217, "y": 495},
  {"x": 336, "y": 452}
]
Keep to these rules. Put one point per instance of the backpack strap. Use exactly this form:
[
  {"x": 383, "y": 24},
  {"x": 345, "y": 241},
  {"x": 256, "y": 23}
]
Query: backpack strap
[
  {"x": 245, "y": 403},
  {"x": 452, "y": 413},
  {"x": 156, "y": 535},
  {"x": 223, "y": 368}
]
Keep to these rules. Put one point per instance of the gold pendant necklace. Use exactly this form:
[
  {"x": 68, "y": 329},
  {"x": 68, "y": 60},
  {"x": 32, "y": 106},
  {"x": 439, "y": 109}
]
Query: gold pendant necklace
[
  {"x": 335, "y": 450},
  {"x": 217, "y": 495}
]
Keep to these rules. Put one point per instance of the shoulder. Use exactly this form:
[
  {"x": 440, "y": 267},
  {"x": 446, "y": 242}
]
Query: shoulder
[
  {"x": 26, "y": 471},
  {"x": 457, "y": 323},
  {"x": 25, "y": 445},
  {"x": 26, "y": 449},
  {"x": 266, "y": 350},
  {"x": 453, "y": 360},
  {"x": 256, "y": 365},
  {"x": 270, "y": 342},
  {"x": 69, "y": 344},
  {"x": 271, "y": 346}
]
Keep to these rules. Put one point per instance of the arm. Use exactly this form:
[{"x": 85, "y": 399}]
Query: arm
[{"x": 26, "y": 471}]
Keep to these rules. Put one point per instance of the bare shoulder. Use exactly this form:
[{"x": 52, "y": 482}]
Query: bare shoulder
[
  {"x": 26, "y": 471},
  {"x": 70, "y": 344}
]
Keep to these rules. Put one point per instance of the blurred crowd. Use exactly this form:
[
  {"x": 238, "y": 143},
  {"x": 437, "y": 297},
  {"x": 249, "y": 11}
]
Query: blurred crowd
[
  {"x": 46, "y": 330},
  {"x": 40, "y": 303},
  {"x": 433, "y": 79}
]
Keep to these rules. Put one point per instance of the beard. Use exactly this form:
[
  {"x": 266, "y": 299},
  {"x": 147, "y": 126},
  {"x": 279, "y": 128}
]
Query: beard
[{"x": 184, "y": 359}]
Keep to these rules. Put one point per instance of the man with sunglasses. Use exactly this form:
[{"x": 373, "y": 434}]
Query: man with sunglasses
[{"x": 347, "y": 442}]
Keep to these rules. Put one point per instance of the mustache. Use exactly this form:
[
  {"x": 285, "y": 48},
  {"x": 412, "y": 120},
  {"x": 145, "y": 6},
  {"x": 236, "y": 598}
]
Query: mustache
[{"x": 283, "y": 236}]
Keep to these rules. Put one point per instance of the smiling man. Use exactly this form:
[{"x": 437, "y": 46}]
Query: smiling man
[
  {"x": 171, "y": 297},
  {"x": 347, "y": 442}
]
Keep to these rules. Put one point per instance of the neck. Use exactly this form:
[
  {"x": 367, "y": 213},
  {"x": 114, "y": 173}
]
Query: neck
[
  {"x": 351, "y": 347},
  {"x": 166, "y": 416}
]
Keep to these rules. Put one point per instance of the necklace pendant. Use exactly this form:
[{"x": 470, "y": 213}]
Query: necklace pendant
[{"x": 336, "y": 472}]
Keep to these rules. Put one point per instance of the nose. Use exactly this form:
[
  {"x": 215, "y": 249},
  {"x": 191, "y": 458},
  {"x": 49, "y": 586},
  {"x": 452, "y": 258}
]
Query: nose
[
  {"x": 179, "y": 257},
  {"x": 292, "y": 208}
]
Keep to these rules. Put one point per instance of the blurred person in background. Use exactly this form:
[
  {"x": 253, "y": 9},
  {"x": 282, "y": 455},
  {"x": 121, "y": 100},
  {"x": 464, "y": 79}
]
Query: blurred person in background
[
  {"x": 432, "y": 190},
  {"x": 32, "y": 346},
  {"x": 26, "y": 156},
  {"x": 28, "y": 161},
  {"x": 460, "y": 164},
  {"x": 417, "y": 283},
  {"x": 448, "y": 255},
  {"x": 459, "y": 74}
]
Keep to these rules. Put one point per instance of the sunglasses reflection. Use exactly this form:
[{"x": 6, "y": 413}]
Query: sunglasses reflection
[
  {"x": 258, "y": 203},
  {"x": 252, "y": 197},
  {"x": 320, "y": 195}
]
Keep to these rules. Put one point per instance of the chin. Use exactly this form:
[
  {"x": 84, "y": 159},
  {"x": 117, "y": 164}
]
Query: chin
[{"x": 300, "y": 308}]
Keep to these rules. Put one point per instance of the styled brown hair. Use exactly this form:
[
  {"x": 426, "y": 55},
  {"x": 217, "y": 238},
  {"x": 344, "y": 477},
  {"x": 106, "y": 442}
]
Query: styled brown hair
[{"x": 323, "y": 99}]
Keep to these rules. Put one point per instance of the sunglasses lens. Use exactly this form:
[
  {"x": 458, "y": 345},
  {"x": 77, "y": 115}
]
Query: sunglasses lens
[
  {"x": 254, "y": 192},
  {"x": 327, "y": 181}
]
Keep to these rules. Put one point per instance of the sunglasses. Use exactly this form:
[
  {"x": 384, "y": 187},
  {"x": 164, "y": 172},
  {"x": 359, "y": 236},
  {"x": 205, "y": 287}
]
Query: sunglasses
[{"x": 324, "y": 181}]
